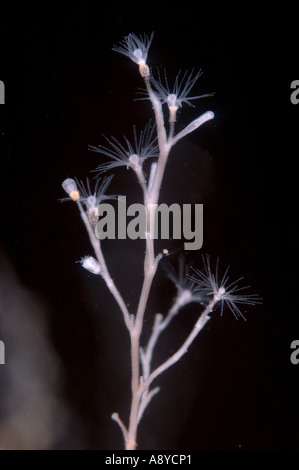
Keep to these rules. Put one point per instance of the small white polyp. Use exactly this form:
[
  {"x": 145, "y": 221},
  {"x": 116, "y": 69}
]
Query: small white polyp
[
  {"x": 69, "y": 185},
  {"x": 91, "y": 264}
]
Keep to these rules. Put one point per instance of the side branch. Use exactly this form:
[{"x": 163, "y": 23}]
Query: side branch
[
  {"x": 193, "y": 126},
  {"x": 116, "y": 418},
  {"x": 199, "y": 325},
  {"x": 105, "y": 273},
  {"x": 160, "y": 324}
]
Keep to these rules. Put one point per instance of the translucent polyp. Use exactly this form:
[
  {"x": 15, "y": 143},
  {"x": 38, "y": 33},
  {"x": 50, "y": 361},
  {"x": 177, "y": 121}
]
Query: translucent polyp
[{"x": 70, "y": 187}]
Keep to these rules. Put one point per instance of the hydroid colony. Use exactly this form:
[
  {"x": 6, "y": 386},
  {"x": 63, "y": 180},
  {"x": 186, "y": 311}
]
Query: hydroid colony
[{"x": 202, "y": 288}]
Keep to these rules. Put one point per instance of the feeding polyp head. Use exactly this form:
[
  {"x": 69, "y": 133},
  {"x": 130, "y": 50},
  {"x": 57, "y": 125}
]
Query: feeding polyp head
[
  {"x": 91, "y": 198},
  {"x": 136, "y": 48},
  {"x": 179, "y": 93},
  {"x": 220, "y": 291},
  {"x": 130, "y": 154}
]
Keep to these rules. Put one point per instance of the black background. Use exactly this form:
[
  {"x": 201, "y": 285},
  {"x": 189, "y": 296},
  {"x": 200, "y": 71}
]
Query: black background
[{"x": 65, "y": 87}]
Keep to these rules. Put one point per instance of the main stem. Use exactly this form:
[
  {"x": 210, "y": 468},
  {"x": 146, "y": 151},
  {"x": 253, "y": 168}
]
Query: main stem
[
  {"x": 133, "y": 422},
  {"x": 150, "y": 267}
]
